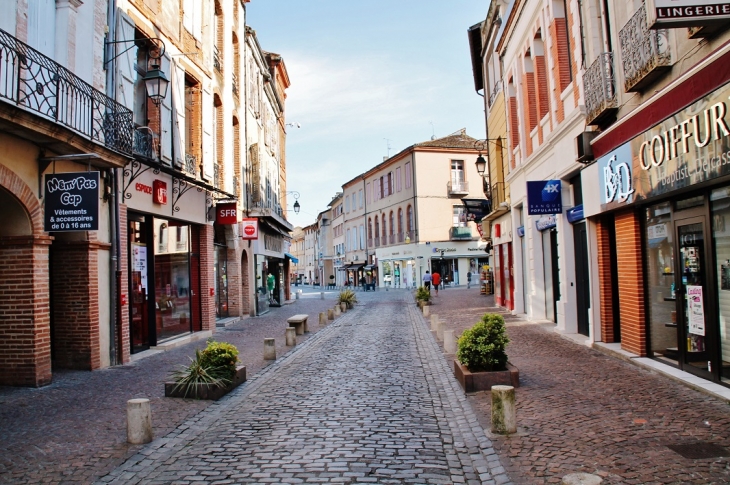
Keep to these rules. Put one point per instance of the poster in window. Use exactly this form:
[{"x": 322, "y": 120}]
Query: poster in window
[{"x": 695, "y": 310}]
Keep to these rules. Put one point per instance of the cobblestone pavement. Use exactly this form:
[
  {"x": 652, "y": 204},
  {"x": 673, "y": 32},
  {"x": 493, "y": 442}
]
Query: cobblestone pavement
[
  {"x": 74, "y": 430},
  {"x": 579, "y": 410},
  {"x": 367, "y": 400}
]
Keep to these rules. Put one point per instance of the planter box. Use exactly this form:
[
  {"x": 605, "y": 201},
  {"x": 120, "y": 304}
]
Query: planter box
[
  {"x": 207, "y": 391},
  {"x": 483, "y": 381}
]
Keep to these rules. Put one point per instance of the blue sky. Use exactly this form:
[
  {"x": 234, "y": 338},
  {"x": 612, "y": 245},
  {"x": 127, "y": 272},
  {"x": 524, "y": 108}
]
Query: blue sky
[{"x": 367, "y": 75}]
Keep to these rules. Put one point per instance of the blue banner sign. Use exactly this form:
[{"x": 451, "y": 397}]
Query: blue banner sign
[
  {"x": 544, "y": 197},
  {"x": 575, "y": 214},
  {"x": 546, "y": 222},
  {"x": 521, "y": 231}
]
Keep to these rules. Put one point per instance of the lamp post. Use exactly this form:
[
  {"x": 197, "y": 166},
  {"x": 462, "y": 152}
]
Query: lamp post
[{"x": 296, "y": 195}]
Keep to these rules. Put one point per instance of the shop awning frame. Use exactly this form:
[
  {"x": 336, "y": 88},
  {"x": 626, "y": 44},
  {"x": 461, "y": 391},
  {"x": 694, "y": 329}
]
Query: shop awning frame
[{"x": 294, "y": 259}]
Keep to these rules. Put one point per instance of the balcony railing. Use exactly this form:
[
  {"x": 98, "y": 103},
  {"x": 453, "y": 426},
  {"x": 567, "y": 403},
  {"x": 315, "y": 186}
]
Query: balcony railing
[
  {"x": 497, "y": 195},
  {"x": 191, "y": 164},
  {"x": 458, "y": 187},
  {"x": 410, "y": 236},
  {"x": 645, "y": 52},
  {"x": 401, "y": 237},
  {"x": 460, "y": 233},
  {"x": 37, "y": 83},
  {"x": 144, "y": 143},
  {"x": 600, "y": 89},
  {"x": 495, "y": 91},
  {"x": 217, "y": 59}
]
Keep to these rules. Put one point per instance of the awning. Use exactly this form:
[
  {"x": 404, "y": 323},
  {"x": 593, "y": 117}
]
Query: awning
[
  {"x": 293, "y": 259},
  {"x": 477, "y": 209},
  {"x": 354, "y": 266},
  {"x": 369, "y": 267}
]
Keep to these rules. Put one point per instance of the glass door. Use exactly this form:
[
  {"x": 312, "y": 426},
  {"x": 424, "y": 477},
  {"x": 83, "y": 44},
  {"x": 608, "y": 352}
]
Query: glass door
[{"x": 694, "y": 297}]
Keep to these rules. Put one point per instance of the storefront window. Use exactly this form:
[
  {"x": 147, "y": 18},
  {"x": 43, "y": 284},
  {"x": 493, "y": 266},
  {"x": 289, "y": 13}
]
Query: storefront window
[
  {"x": 660, "y": 283},
  {"x": 172, "y": 278},
  {"x": 721, "y": 238}
]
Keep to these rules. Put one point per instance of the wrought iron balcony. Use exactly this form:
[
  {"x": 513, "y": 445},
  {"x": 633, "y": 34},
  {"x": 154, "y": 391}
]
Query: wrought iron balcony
[
  {"x": 234, "y": 83},
  {"x": 460, "y": 233},
  {"x": 600, "y": 90},
  {"x": 217, "y": 59},
  {"x": 144, "y": 143},
  {"x": 645, "y": 52},
  {"x": 495, "y": 91},
  {"x": 37, "y": 83},
  {"x": 191, "y": 164},
  {"x": 497, "y": 195},
  {"x": 458, "y": 187}
]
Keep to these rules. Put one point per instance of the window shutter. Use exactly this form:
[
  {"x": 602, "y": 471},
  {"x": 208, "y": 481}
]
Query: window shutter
[
  {"x": 166, "y": 120},
  {"x": 208, "y": 142},
  {"x": 125, "y": 63},
  {"x": 178, "y": 113}
]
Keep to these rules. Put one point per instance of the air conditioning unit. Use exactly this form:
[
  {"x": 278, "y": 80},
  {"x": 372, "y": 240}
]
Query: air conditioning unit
[{"x": 583, "y": 145}]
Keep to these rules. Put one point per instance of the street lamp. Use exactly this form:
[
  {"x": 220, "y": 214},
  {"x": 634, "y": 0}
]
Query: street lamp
[
  {"x": 156, "y": 84},
  {"x": 296, "y": 195},
  {"x": 482, "y": 145}
]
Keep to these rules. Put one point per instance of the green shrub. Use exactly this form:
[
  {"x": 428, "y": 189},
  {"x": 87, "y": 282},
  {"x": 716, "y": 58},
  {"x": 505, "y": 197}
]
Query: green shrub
[
  {"x": 348, "y": 297},
  {"x": 481, "y": 348},
  {"x": 220, "y": 359},
  {"x": 422, "y": 294}
]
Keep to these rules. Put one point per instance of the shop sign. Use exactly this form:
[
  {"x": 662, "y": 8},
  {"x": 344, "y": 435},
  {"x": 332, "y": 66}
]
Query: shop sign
[
  {"x": 575, "y": 214},
  {"x": 71, "y": 202},
  {"x": 521, "y": 231},
  {"x": 686, "y": 13},
  {"x": 546, "y": 222},
  {"x": 446, "y": 250},
  {"x": 249, "y": 228},
  {"x": 688, "y": 148},
  {"x": 272, "y": 243},
  {"x": 544, "y": 197},
  {"x": 226, "y": 213},
  {"x": 159, "y": 192},
  {"x": 615, "y": 178}
]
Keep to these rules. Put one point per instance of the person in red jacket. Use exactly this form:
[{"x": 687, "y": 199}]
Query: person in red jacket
[{"x": 436, "y": 279}]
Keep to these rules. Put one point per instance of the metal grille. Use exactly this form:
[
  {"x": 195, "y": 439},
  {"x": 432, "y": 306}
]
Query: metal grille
[
  {"x": 642, "y": 50},
  {"x": 38, "y": 83},
  {"x": 191, "y": 164},
  {"x": 600, "y": 88},
  {"x": 699, "y": 450}
]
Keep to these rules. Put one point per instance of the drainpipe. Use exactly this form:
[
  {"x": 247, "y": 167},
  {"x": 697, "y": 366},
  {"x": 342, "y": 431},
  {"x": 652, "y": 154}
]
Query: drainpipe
[{"x": 115, "y": 330}]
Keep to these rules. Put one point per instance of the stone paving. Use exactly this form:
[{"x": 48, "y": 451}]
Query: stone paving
[
  {"x": 368, "y": 400},
  {"x": 579, "y": 410}
]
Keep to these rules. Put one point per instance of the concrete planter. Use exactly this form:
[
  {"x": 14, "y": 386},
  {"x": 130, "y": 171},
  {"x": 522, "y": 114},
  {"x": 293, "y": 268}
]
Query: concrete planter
[
  {"x": 207, "y": 391},
  {"x": 483, "y": 381}
]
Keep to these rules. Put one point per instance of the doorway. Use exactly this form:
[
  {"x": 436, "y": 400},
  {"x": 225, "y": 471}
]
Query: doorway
[
  {"x": 582, "y": 276},
  {"x": 552, "y": 274},
  {"x": 694, "y": 302}
]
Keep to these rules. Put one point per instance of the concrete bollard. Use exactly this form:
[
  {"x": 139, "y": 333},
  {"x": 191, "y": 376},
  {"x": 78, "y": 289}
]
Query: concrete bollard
[
  {"x": 322, "y": 318},
  {"x": 296, "y": 295},
  {"x": 504, "y": 418},
  {"x": 426, "y": 311},
  {"x": 343, "y": 306},
  {"x": 440, "y": 330},
  {"x": 449, "y": 342},
  {"x": 291, "y": 338},
  {"x": 321, "y": 295},
  {"x": 330, "y": 314},
  {"x": 338, "y": 311},
  {"x": 139, "y": 421},
  {"x": 434, "y": 322},
  {"x": 269, "y": 349}
]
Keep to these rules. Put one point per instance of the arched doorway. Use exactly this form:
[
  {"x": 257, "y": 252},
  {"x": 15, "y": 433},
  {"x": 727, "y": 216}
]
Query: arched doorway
[{"x": 25, "y": 349}]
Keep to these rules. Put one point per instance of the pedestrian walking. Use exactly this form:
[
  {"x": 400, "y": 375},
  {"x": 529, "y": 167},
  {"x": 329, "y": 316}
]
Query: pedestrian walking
[
  {"x": 270, "y": 283},
  {"x": 436, "y": 278},
  {"x": 427, "y": 281},
  {"x": 468, "y": 280}
]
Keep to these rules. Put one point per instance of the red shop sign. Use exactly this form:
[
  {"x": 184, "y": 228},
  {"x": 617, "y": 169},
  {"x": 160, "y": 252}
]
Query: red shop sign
[
  {"x": 159, "y": 192},
  {"x": 249, "y": 228},
  {"x": 226, "y": 213}
]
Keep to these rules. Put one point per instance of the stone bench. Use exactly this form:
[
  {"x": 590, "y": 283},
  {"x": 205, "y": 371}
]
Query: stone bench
[{"x": 299, "y": 322}]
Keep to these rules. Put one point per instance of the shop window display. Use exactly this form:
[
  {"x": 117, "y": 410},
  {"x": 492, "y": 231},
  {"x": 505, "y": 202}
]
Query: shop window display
[
  {"x": 721, "y": 239},
  {"x": 661, "y": 283},
  {"x": 172, "y": 279}
]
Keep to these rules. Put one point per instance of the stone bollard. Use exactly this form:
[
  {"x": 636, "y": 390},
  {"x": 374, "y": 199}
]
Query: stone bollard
[
  {"x": 449, "y": 342},
  {"x": 426, "y": 311},
  {"x": 434, "y": 322},
  {"x": 291, "y": 338},
  {"x": 296, "y": 295},
  {"x": 322, "y": 318},
  {"x": 338, "y": 310},
  {"x": 321, "y": 295},
  {"x": 330, "y": 314},
  {"x": 139, "y": 421},
  {"x": 269, "y": 349},
  {"x": 440, "y": 330},
  {"x": 343, "y": 306},
  {"x": 581, "y": 479},
  {"x": 504, "y": 419}
]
